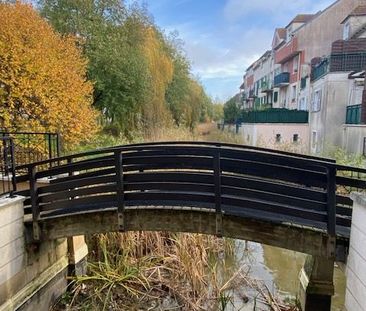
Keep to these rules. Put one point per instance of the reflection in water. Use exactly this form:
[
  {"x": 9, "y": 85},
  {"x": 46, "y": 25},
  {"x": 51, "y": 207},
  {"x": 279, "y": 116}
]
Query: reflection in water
[{"x": 279, "y": 269}]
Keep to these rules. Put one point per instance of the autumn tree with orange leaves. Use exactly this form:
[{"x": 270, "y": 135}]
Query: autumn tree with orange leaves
[{"x": 43, "y": 84}]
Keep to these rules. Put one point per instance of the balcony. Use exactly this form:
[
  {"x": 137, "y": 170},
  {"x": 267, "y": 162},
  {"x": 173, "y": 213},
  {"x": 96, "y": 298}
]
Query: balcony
[
  {"x": 275, "y": 115},
  {"x": 282, "y": 79},
  {"x": 287, "y": 52},
  {"x": 353, "y": 115},
  {"x": 267, "y": 87},
  {"x": 320, "y": 70}
]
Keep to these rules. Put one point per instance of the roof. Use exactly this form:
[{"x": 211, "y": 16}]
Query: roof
[
  {"x": 301, "y": 18},
  {"x": 281, "y": 32},
  {"x": 358, "y": 11}
]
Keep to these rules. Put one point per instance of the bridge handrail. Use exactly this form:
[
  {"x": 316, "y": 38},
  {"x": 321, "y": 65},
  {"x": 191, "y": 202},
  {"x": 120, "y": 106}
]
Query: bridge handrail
[{"x": 167, "y": 143}]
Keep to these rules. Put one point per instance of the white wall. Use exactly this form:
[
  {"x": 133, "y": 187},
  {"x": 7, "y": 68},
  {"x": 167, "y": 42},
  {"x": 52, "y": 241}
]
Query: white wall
[
  {"x": 264, "y": 135},
  {"x": 12, "y": 244},
  {"x": 328, "y": 121},
  {"x": 356, "y": 264},
  {"x": 353, "y": 137}
]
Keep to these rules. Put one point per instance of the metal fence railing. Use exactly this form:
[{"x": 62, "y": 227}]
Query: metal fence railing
[
  {"x": 7, "y": 167},
  {"x": 274, "y": 115},
  {"x": 32, "y": 147}
]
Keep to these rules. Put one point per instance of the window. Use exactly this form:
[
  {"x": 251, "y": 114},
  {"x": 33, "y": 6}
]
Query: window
[
  {"x": 278, "y": 138},
  {"x": 293, "y": 95},
  {"x": 275, "y": 97},
  {"x": 296, "y": 64},
  {"x": 295, "y": 138},
  {"x": 289, "y": 34},
  {"x": 364, "y": 147},
  {"x": 346, "y": 31},
  {"x": 317, "y": 101},
  {"x": 302, "y": 103}
]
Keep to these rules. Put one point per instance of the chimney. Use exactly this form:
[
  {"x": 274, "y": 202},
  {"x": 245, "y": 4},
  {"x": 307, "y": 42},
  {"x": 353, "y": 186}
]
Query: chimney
[{"x": 363, "y": 104}]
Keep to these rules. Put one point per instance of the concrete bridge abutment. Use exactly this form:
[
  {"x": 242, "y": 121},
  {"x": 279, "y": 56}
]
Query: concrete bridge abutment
[
  {"x": 316, "y": 284},
  {"x": 33, "y": 276}
]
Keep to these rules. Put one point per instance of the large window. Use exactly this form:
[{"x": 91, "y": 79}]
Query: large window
[{"x": 317, "y": 101}]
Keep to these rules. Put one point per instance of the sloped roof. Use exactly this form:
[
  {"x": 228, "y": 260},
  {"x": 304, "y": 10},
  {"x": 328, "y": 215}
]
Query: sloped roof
[
  {"x": 358, "y": 11},
  {"x": 301, "y": 18}
]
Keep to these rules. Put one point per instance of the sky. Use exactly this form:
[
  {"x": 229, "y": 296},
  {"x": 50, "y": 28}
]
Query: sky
[{"x": 223, "y": 37}]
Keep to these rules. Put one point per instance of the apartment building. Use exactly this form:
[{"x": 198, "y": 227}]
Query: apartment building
[{"x": 316, "y": 65}]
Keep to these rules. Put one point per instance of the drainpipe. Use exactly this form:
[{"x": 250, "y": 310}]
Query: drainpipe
[{"x": 363, "y": 104}]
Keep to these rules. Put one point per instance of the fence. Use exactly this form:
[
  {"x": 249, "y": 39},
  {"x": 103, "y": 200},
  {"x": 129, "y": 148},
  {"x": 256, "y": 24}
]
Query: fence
[
  {"x": 32, "y": 147},
  {"x": 275, "y": 116},
  {"x": 7, "y": 166}
]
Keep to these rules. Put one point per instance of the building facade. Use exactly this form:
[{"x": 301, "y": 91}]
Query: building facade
[{"x": 316, "y": 64}]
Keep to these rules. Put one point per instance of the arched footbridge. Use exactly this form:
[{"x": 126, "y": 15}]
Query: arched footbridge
[{"x": 273, "y": 197}]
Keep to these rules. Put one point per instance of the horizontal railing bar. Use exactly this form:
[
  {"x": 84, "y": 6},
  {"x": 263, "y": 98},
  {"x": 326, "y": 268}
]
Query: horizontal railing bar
[
  {"x": 89, "y": 181},
  {"x": 66, "y": 195},
  {"x": 74, "y": 167},
  {"x": 274, "y": 198},
  {"x": 275, "y": 208},
  {"x": 273, "y": 187},
  {"x": 350, "y": 182},
  {"x": 275, "y": 172}
]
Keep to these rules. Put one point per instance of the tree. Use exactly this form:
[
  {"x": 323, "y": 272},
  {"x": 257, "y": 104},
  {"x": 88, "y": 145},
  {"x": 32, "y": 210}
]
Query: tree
[
  {"x": 43, "y": 83},
  {"x": 155, "y": 110},
  {"x": 231, "y": 110},
  {"x": 113, "y": 40}
]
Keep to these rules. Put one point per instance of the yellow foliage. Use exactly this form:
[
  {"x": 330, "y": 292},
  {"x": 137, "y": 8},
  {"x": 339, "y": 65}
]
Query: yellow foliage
[
  {"x": 43, "y": 82},
  {"x": 161, "y": 68}
]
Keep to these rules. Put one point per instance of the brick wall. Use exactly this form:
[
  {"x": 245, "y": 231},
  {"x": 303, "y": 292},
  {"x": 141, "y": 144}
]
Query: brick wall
[{"x": 349, "y": 46}]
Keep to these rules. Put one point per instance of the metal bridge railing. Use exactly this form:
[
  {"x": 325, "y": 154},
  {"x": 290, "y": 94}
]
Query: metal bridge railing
[
  {"x": 225, "y": 179},
  {"x": 32, "y": 147},
  {"x": 7, "y": 167}
]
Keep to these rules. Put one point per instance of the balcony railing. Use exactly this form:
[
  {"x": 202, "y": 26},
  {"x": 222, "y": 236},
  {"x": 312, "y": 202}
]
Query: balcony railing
[
  {"x": 339, "y": 63},
  {"x": 353, "y": 115},
  {"x": 275, "y": 115},
  {"x": 348, "y": 62},
  {"x": 320, "y": 70},
  {"x": 282, "y": 79}
]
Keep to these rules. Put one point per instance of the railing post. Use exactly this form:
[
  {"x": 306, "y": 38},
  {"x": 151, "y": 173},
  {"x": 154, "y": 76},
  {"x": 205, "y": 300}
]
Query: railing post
[
  {"x": 120, "y": 190},
  {"x": 217, "y": 180},
  {"x": 12, "y": 158},
  {"x": 34, "y": 201},
  {"x": 331, "y": 199}
]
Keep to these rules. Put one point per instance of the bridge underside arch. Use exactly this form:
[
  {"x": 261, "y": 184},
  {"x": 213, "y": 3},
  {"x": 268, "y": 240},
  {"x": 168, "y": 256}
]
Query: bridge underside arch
[{"x": 189, "y": 220}]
